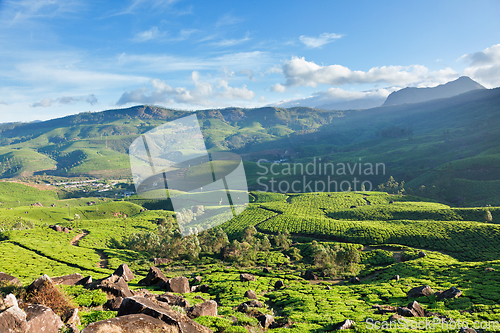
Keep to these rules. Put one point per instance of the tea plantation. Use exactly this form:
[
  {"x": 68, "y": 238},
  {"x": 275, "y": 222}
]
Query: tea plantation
[{"x": 384, "y": 234}]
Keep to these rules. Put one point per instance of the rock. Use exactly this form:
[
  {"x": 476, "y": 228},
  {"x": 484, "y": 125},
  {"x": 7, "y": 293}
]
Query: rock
[
  {"x": 114, "y": 304},
  {"x": 197, "y": 279},
  {"x": 132, "y": 324},
  {"x": 136, "y": 304},
  {"x": 68, "y": 280},
  {"x": 177, "y": 285},
  {"x": 421, "y": 254},
  {"x": 116, "y": 286},
  {"x": 85, "y": 281},
  {"x": 309, "y": 275},
  {"x": 382, "y": 309},
  {"x": 345, "y": 325},
  {"x": 245, "y": 277},
  {"x": 154, "y": 277},
  {"x": 420, "y": 291},
  {"x": 71, "y": 317},
  {"x": 161, "y": 261},
  {"x": 487, "y": 270},
  {"x": 265, "y": 270},
  {"x": 412, "y": 310},
  {"x": 467, "y": 330},
  {"x": 72, "y": 328},
  {"x": 42, "y": 319},
  {"x": 207, "y": 308},
  {"x": 391, "y": 202},
  {"x": 395, "y": 317},
  {"x": 243, "y": 307},
  {"x": 9, "y": 278},
  {"x": 395, "y": 277},
  {"x": 172, "y": 299},
  {"x": 328, "y": 288},
  {"x": 124, "y": 272},
  {"x": 265, "y": 320},
  {"x": 38, "y": 283},
  {"x": 65, "y": 230},
  {"x": 354, "y": 279},
  {"x": 13, "y": 320},
  {"x": 202, "y": 288},
  {"x": 453, "y": 292},
  {"x": 251, "y": 294},
  {"x": 354, "y": 206},
  {"x": 8, "y": 302},
  {"x": 279, "y": 284}
]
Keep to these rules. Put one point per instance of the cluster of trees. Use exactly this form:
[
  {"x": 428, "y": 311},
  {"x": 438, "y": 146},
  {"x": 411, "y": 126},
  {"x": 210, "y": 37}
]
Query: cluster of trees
[
  {"x": 392, "y": 186},
  {"x": 333, "y": 260}
]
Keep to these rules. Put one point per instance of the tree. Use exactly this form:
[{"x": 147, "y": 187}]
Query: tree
[
  {"x": 488, "y": 217},
  {"x": 249, "y": 233}
]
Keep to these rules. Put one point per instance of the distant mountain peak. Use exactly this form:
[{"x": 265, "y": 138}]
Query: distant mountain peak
[{"x": 417, "y": 95}]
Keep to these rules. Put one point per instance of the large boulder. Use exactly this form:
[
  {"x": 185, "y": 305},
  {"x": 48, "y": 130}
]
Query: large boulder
[
  {"x": 202, "y": 288},
  {"x": 420, "y": 291},
  {"x": 344, "y": 325},
  {"x": 8, "y": 302},
  {"x": 85, "y": 281},
  {"x": 124, "y": 271},
  {"x": 154, "y": 277},
  {"x": 245, "y": 277},
  {"x": 39, "y": 283},
  {"x": 453, "y": 292},
  {"x": 412, "y": 310},
  {"x": 177, "y": 285},
  {"x": 9, "y": 278},
  {"x": 207, "y": 308},
  {"x": 68, "y": 280},
  {"x": 42, "y": 319},
  {"x": 250, "y": 294},
  {"x": 114, "y": 304},
  {"x": 115, "y": 286},
  {"x": 172, "y": 299},
  {"x": 137, "y": 304},
  {"x": 12, "y": 318},
  {"x": 71, "y": 317},
  {"x": 131, "y": 324}
]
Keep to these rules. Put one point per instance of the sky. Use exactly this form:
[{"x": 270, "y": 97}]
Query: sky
[{"x": 61, "y": 57}]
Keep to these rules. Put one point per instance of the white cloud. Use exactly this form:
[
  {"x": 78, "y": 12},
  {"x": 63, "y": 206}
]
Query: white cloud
[
  {"x": 484, "y": 66},
  {"x": 46, "y": 102},
  {"x": 230, "y": 93},
  {"x": 299, "y": 72},
  {"x": 204, "y": 93},
  {"x": 227, "y": 19},
  {"x": 231, "y": 42},
  {"x": 278, "y": 88},
  {"x": 248, "y": 73},
  {"x": 314, "y": 42},
  {"x": 150, "y": 34}
]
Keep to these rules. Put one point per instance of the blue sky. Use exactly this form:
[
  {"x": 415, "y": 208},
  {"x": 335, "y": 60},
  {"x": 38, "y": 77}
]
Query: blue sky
[{"x": 60, "y": 57}]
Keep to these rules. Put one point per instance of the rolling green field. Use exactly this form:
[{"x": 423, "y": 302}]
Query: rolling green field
[{"x": 387, "y": 231}]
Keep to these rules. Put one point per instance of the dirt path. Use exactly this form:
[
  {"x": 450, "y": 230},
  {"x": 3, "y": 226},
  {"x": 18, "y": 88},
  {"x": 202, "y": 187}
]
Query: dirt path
[
  {"x": 103, "y": 263},
  {"x": 76, "y": 240},
  {"x": 104, "y": 259}
]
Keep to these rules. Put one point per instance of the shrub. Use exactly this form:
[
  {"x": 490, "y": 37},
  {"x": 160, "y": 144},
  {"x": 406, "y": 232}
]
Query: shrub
[
  {"x": 52, "y": 297},
  {"x": 84, "y": 297},
  {"x": 216, "y": 324},
  {"x": 93, "y": 316}
]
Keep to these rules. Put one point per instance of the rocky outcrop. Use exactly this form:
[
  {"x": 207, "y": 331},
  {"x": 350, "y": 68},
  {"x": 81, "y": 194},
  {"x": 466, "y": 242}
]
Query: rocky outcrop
[
  {"x": 136, "y": 304},
  {"x": 309, "y": 275},
  {"x": 250, "y": 294},
  {"x": 42, "y": 319},
  {"x": 12, "y": 318},
  {"x": 279, "y": 284},
  {"x": 154, "y": 277},
  {"x": 245, "y": 277},
  {"x": 265, "y": 320},
  {"x": 453, "y": 292},
  {"x": 420, "y": 291},
  {"x": 132, "y": 324},
  {"x": 344, "y": 325},
  {"x": 412, "y": 310},
  {"x": 9, "y": 278},
  {"x": 177, "y": 285},
  {"x": 124, "y": 271},
  {"x": 39, "y": 283},
  {"x": 115, "y": 286},
  {"x": 114, "y": 304},
  {"x": 68, "y": 280},
  {"x": 207, "y": 308},
  {"x": 172, "y": 299}
]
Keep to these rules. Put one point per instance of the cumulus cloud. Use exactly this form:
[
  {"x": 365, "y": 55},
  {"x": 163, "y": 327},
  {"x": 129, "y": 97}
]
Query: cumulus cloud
[
  {"x": 315, "y": 42},
  {"x": 204, "y": 93},
  {"x": 46, "y": 102},
  {"x": 248, "y": 72},
  {"x": 278, "y": 88},
  {"x": 484, "y": 66},
  {"x": 299, "y": 72}
]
